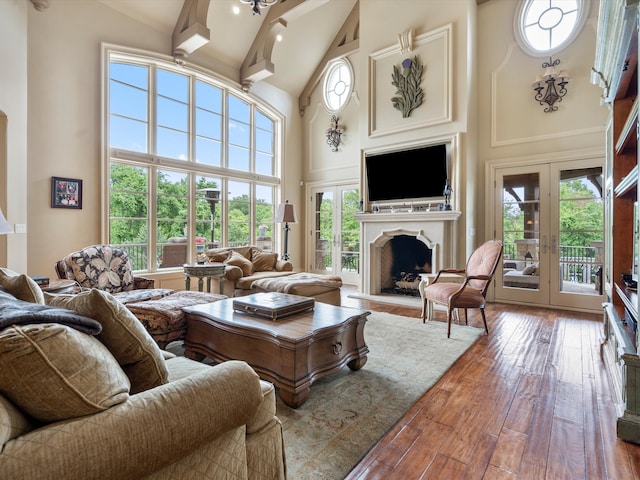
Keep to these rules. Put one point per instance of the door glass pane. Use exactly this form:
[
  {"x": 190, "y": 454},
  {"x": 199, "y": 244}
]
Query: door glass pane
[
  {"x": 350, "y": 247},
  {"x": 238, "y": 218},
  {"x": 172, "y": 211},
  {"x": 520, "y": 227},
  {"x": 323, "y": 231},
  {"x": 208, "y": 195},
  {"x": 128, "y": 215},
  {"x": 580, "y": 230},
  {"x": 265, "y": 213}
]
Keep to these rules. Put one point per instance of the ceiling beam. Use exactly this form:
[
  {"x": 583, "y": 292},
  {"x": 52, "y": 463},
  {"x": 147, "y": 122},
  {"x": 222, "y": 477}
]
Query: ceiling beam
[
  {"x": 257, "y": 64},
  {"x": 190, "y": 32}
]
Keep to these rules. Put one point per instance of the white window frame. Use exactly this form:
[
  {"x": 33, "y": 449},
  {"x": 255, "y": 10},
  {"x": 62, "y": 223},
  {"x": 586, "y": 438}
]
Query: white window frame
[
  {"x": 521, "y": 37},
  {"x": 193, "y": 169},
  {"x": 344, "y": 97}
]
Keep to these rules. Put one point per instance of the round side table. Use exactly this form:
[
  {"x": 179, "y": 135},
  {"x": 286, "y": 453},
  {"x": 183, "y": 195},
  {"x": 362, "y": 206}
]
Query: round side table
[
  {"x": 202, "y": 270},
  {"x": 59, "y": 286}
]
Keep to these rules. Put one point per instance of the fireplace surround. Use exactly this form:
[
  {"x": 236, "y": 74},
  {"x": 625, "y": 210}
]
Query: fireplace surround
[{"x": 435, "y": 229}]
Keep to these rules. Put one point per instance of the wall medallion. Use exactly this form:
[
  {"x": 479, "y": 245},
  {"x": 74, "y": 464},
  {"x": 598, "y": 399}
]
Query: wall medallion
[{"x": 409, "y": 94}]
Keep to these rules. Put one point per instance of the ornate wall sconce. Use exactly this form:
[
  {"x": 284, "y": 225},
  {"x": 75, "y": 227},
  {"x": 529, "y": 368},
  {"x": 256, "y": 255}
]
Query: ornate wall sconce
[
  {"x": 334, "y": 134},
  {"x": 553, "y": 83}
]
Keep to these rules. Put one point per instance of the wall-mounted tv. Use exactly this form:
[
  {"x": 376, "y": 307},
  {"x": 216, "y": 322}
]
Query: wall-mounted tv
[{"x": 409, "y": 175}]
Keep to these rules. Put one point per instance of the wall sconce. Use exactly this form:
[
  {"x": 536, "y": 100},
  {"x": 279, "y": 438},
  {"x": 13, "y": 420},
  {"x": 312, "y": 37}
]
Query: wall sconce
[
  {"x": 555, "y": 85},
  {"x": 334, "y": 134}
]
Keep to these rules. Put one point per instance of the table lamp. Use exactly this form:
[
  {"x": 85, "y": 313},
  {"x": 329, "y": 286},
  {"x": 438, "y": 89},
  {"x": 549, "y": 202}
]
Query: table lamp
[
  {"x": 5, "y": 227},
  {"x": 286, "y": 214}
]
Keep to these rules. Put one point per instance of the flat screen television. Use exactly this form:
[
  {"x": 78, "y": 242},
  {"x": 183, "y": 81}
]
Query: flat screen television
[{"x": 417, "y": 174}]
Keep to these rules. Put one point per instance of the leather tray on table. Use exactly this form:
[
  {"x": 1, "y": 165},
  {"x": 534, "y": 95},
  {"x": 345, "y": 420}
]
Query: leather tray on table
[{"x": 273, "y": 305}]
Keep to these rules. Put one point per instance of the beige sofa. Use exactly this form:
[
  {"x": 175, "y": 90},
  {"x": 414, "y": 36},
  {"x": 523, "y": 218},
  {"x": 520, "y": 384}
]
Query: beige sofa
[
  {"x": 87, "y": 394},
  {"x": 244, "y": 265}
]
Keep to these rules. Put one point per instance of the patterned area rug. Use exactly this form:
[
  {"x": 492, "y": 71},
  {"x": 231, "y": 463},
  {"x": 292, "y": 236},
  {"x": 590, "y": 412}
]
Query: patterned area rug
[{"x": 348, "y": 412}]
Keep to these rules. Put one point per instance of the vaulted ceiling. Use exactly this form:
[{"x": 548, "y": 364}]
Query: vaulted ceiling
[{"x": 310, "y": 31}]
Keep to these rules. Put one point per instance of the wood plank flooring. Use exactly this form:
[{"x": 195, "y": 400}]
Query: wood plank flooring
[{"x": 528, "y": 401}]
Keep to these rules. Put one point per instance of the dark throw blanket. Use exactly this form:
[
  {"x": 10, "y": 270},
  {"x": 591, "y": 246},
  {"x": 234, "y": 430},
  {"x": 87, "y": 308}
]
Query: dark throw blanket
[{"x": 19, "y": 312}]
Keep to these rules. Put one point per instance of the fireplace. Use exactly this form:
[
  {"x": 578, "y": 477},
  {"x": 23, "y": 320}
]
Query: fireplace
[
  {"x": 433, "y": 229},
  {"x": 403, "y": 259}
]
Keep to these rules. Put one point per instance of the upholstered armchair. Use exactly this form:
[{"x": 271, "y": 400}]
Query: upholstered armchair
[
  {"x": 108, "y": 268},
  {"x": 477, "y": 276}
]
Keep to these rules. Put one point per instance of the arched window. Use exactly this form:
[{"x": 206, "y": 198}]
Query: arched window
[
  {"x": 191, "y": 162},
  {"x": 338, "y": 84},
  {"x": 543, "y": 27}
]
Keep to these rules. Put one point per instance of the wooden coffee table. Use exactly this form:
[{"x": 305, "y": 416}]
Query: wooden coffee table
[{"x": 291, "y": 352}]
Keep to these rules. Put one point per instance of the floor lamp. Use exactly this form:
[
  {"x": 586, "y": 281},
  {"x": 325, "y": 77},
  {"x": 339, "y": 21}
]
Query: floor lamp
[
  {"x": 286, "y": 214},
  {"x": 5, "y": 228}
]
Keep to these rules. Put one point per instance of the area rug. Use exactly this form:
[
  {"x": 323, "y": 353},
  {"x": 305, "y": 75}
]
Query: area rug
[
  {"x": 408, "y": 300},
  {"x": 348, "y": 412}
]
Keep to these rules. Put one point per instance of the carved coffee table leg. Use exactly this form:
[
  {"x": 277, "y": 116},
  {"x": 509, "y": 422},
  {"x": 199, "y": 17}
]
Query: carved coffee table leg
[
  {"x": 190, "y": 354},
  {"x": 357, "y": 363},
  {"x": 294, "y": 400}
]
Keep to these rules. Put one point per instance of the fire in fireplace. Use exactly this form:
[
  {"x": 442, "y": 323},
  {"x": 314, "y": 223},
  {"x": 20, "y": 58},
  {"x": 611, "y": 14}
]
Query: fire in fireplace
[{"x": 409, "y": 257}]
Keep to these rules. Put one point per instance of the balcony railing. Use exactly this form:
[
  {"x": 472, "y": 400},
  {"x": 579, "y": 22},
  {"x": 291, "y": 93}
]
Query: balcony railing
[
  {"x": 138, "y": 252},
  {"x": 577, "y": 264}
]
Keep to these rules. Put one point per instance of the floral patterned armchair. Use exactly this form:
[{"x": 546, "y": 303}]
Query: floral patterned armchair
[{"x": 108, "y": 268}]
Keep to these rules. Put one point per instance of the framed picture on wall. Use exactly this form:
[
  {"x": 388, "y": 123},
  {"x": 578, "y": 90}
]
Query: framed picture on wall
[{"x": 66, "y": 192}]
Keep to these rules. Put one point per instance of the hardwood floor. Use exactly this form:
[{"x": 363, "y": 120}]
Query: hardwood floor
[{"x": 528, "y": 401}]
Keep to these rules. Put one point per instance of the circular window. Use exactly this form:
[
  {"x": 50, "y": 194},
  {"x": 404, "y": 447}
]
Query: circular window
[
  {"x": 547, "y": 26},
  {"x": 338, "y": 83}
]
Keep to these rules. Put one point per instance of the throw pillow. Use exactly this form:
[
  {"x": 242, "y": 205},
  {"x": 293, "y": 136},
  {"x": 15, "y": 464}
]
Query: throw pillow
[
  {"x": 122, "y": 333},
  {"x": 239, "y": 260},
  {"x": 21, "y": 286},
  {"x": 53, "y": 372},
  {"x": 218, "y": 256},
  {"x": 530, "y": 270},
  {"x": 19, "y": 312},
  {"x": 263, "y": 261}
]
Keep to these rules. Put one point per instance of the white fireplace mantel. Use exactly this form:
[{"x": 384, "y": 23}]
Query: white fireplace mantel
[{"x": 436, "y": 229}]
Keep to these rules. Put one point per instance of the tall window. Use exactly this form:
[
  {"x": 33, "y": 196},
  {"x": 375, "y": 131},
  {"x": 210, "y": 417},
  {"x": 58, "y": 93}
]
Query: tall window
[{"x": 191, "y": 162}]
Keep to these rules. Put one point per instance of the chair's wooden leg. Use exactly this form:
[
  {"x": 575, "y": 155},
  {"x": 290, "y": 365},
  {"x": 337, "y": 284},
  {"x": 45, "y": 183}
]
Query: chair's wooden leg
[
  {"x": 449, "y": 323},
  {"x": 424, "y": 311},
  {"x": 466, "y": 317},
  {"x": 484, "y": 319}
]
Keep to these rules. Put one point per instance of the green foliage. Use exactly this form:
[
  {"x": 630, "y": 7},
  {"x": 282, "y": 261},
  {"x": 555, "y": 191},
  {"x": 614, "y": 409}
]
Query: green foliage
[{"x": 581, "y": 214}]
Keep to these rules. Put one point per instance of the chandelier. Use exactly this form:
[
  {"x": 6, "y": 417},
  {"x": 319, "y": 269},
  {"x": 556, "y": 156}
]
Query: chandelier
[
  {"x": 553, "y": 83},
  {"x": 256, "y": 5}
]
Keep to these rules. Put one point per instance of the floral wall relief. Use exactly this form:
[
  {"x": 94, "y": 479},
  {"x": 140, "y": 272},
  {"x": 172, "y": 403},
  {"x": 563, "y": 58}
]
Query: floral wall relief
[{"x": 407, "y": 83}]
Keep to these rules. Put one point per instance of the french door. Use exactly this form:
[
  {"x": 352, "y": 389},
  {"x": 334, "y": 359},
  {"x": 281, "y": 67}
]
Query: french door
[
  {"x": 550, "y": 219},
  {"x": 334, "y": 242}
]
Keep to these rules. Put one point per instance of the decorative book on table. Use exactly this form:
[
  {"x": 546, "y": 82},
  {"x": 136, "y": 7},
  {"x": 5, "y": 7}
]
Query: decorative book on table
[
  {"x": 40, "y": 280},
  {"x": 273, "y": 305}
]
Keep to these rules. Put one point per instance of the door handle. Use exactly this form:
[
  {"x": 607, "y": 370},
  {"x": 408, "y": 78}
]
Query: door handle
[
  {"x": 554, "y": 245},
  {"x": 544, "y": 244}
]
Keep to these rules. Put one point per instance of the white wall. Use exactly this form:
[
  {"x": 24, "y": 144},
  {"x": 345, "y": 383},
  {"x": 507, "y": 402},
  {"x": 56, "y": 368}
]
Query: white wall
[
  {"x": 493, "y": 114},
  {"x": 13, "y": 129},
  {"x": 513, "y": 128}
]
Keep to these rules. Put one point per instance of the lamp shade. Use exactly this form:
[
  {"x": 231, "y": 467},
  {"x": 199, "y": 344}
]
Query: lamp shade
[
  {"x": 5, "y": 227},
  {"x": 286, "y": 213}
]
